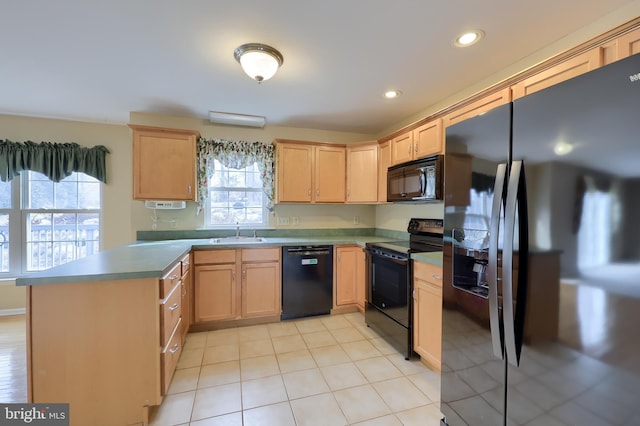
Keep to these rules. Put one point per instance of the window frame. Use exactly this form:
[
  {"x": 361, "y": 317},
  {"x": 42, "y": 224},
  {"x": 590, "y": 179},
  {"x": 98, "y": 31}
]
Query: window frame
[
  {"x": 18, "y": 215},
  {"x": 210, "y": 189}
]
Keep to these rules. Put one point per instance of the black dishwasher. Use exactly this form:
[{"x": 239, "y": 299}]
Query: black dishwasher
[{"x": 307, "y": 281}]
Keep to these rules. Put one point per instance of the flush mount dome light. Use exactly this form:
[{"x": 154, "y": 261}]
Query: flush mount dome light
[
  {"x": 259, "y": 61},
  {"x": 468, "y": 38}
]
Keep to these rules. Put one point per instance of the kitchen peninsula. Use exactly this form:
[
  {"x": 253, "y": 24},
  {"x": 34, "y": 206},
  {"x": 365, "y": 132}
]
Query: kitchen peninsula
[{"x": 104, "y": 331}]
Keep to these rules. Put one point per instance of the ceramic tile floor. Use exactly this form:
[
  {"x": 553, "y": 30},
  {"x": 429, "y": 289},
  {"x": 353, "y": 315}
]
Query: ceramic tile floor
[{"x": 326, "y": 371}]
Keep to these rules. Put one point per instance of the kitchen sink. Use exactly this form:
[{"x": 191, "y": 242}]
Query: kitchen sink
[{"x": 240, "y": 239}]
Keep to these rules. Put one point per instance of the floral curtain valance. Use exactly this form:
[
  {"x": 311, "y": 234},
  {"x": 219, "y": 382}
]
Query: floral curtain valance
[
  {"x": 237, "y": 155},
  {"x": 54, "y": 160}
]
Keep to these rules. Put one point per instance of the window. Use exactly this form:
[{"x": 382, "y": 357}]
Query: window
[
  {"x": 48, "y": 223},
  {"x": 235, "y": 196}
]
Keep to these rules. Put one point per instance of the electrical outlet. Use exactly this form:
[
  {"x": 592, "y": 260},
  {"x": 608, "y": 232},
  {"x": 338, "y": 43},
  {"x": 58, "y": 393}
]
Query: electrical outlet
[
  {"x": 295, "y": 220},
  {"x": 283, "y": 221},
  {"x": 356, "y": 220}
]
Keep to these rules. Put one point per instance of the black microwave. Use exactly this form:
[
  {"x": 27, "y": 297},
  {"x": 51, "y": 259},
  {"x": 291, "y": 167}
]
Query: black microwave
[{"x": 416, "y": 181}]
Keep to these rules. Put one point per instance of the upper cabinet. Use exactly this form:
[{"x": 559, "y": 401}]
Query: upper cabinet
[
  {"x": 164, "y": 163},
  {"x": 421, "y": 142},
  {"x": 362, "y": 173},
  {"x": 402, "y": 148},
  {"x": 384, "y": 161},
  {"x": 310, "y": 173},
  {"x": 565, "y": 70},
  {"x": 478, "y": 107},
  {"x": 622, "y": 47},
  {"x": 428, "y": 139}
]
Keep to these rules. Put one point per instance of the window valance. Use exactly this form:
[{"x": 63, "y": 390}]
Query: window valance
[
  {"x": 235, "y": 154},
  {"x": 54, "y": 160}
]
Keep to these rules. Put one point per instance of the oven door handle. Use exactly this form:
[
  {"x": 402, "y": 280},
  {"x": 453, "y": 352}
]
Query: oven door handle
[{"x": 375, "y": 253}]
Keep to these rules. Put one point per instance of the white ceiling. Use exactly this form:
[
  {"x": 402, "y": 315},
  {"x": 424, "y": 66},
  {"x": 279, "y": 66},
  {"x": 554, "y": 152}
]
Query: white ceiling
[{"x": 99, "y": 60}]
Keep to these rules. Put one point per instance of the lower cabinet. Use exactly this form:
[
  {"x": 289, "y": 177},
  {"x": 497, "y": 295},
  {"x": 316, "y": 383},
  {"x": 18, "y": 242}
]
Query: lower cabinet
[
  {"x": 349, "y": 266},
  {"x": 427, "y": 313},
  {"x": 233, "y": 284}
]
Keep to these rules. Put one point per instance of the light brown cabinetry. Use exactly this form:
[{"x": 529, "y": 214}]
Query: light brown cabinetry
[
  {"x": 421, "y": 142},
  {"x": 402, "y": 148},
  {"x": 384, "y": 161},
  {"x": 621, "y": 47},
  {"x": 570, "y": 68},
  {"x": 310, "y": 173},
  {"x": 120, "y": 339},
  {"x": 164, "y": 163},
  {"x": 261, "y": 284},
  {"x": 349, "y": 280},
  {"x": 362, "y": 173},
  {"x": 187, "y": 295},
  {"x": 427, "y": 313},
  {"x": 235, "y": 284},
  {"x": 477, "y": 107},
  {"x": 428, "y": 139}
]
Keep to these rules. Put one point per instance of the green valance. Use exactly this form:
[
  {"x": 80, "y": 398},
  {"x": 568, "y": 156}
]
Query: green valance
[{"x": 54, "y": 160}]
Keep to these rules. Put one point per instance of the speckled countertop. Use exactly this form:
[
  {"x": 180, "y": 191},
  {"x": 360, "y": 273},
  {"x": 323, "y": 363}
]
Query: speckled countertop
[{"x": 146, "y": 259}]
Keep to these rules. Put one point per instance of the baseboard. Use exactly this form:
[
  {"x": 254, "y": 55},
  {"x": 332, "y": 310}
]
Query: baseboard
[{"x": 15, "y": 311}]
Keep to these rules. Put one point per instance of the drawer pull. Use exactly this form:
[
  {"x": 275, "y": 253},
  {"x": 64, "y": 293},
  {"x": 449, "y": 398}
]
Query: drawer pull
[
  {"x": 174, "y": 277},
  {"x": 174, "y": 307},
  {"x": 437, "y": 277},
  {"x": 174, "y": 349}
]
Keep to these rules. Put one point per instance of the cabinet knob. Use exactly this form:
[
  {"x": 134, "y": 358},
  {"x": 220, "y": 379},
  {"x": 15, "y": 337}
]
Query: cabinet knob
[{"x": 175, "y": 348}]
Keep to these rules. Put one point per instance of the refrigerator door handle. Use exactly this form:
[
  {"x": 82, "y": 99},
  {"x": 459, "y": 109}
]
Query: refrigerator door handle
[
  {"x": 497, "y": 339},
  {"x": 514, "y": 321}
]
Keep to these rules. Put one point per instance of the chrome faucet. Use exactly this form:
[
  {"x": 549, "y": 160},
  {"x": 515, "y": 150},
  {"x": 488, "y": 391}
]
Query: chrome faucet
[{"x": 237, "y": 230}]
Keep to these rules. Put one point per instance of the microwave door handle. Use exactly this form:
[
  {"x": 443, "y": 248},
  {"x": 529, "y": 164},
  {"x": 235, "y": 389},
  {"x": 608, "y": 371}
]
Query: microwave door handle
[
  {"x": 423, "y": 181},
  {"x": 492, "y": 270}
]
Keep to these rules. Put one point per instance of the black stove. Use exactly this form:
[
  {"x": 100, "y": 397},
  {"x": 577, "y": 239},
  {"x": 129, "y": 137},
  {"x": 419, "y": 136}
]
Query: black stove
[
  {"x": 389, "y": 310},
  {"x": 425, "y": 235}
]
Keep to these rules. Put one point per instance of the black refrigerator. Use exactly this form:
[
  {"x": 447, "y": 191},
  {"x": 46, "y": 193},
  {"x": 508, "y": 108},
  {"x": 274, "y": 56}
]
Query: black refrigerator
[{"x": 541, "y": 292}]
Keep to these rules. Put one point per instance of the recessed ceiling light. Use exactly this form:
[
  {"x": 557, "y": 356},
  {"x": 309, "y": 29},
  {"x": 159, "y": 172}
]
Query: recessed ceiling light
[
  {"x": 468, "y": 38},
  {"x": 391, "y": 94}
]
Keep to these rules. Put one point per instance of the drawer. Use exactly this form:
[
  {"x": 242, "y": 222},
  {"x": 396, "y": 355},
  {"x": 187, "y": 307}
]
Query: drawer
[
  {"x": 261, "y": 254},
  {"x": 170, "y": 280},
  {"x": 186, "y": 264},
  {"x": 214, "y": 256},
  {"x": 428, "y": 272},
  {"x": 170, "y": 311},
  {"x": 169, "y": 358}
]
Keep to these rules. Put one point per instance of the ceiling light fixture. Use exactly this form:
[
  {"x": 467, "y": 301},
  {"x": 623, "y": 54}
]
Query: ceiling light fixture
[
  {"x": 236, "y": 119},
  {"x": 259, "y": 61},
  {"x": 392, "y": 94},
  {"x": 468, "y": 38}
]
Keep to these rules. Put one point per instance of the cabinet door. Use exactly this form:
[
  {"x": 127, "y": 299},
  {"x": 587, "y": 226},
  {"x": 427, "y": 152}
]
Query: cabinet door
[
  {"x": 477, "y": 107},
  {"x": 330, "y": 174},
  {"x": 427, "y": 313},
  {"x": 362, "y": 173},
  {"x": 622, "y": 47},
  {"x": 570, "y": 68},
  {"x": 402, "y": 148},
  {"x": 187, "y": 302},
  {"x": 427, "y": 322},
  {"x": 294, "y": 172},
  {"x": 384, "y": 161},
  {"x": 428, "y": 139},
  {"x": 361, "y": 278},
  {"x": 261, "y": 289},
  {"x": 346, "y": 280},
  {"x": 216, "y": 292},
  {"x": 164, "y": 164}
]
